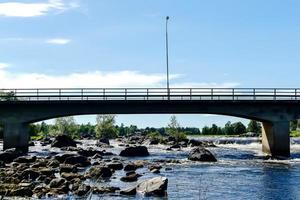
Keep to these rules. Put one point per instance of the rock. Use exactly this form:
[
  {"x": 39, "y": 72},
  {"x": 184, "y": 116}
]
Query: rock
[
  {"x": 2, "y": 164},
  {"x": 130, "y": 178},
  {"x": 201, "y": 154},
  {"x": 154, "y": 141},
  {"x": 135, "y": 151},
  {"x": 155, "y": 171},
  {"x": 38, "y": 164},
  {"x": 195, "y": 143},
  {"x": 128, "y": 191},
  {"x": 30, "y": 174},
  {"x": 67, "y": 168},
  {"x": 30, "y": 143},
  {"x": 9, "y": 155},
  {"x": 152, "y": 167},
  {"x": 81, "y": 161},
  {"x": 62, "y": 157},
  {"x": 105, "y": 190},
  {"x": 22, "y": 191},
  {"x": 153, "y": 187},
  {"x": 46, "y": 171},
  {"x": 57, "y": 183},
  {"x": 104, "y": 140},
  {"x": 175, "y": 146},
  {"x": 140, "y": 163},
  {"x": 89, "y": 152},
  {"x": 99, "y": 171},
  {"x": 63, "y": 141},
  {"x": 71, "y": 176},
  {"x": 82, "y": 190},
  {"x": 168, "y": 169},
  {"x": 130, "y": 167},
  {"x": 40, "y": 191},
  {"x": 116, "y": 165},
  {"x": 53, "y": 163}
]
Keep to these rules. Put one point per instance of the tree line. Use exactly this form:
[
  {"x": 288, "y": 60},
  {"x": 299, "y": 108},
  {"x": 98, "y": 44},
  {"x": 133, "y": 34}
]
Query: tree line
[{"x": 106, "y": 127}]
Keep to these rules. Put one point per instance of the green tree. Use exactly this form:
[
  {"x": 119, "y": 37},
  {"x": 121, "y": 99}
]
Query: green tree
[
  {"x": 173, "y": 129},
  {"x": 228, "y": 129},
  {"x": 65, "y": 126},
  {"x": 238, "y": 128},
  {"x": 105, "y": 127},
  {"x": 205, "y": 130},
  {"x": 293, "y": 125},
  {"x": 254, "y": 127}
]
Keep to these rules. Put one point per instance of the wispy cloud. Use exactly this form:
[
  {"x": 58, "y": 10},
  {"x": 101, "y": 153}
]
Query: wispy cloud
[
  {"x": 59, "y": 41},
  {"x": 20, "y": 9},
  {"x": 3, "y": 65},
  {"x": 93, "y": 79}
]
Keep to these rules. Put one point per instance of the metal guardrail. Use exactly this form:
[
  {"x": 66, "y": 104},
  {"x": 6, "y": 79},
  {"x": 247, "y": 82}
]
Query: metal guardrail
[{"x": 105, "y": 94}]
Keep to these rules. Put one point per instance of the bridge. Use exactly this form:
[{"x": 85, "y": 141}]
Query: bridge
[{"x": 274, "y": 107}]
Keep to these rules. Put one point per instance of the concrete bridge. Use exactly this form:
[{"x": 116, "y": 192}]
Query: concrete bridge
[{"x": 275, "y": 108}]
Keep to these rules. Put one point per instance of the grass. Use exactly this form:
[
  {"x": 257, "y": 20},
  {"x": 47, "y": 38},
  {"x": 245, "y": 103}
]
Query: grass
[{"x": 295, "y": 133}]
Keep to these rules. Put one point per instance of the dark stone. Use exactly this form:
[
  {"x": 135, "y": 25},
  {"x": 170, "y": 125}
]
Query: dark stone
[
  {"x": 63, "y": 141},
  {"x": 116, "y": 165},
  {"x": 135, "y": 151},
  {"x": 130, "y": 178},
  {"x": 99, "y": 171},
  {"x": 67, "y": 168},
  {"x": 25, "y": 159},
  {"x": 104, "y": 140},
  {"x": 130, "y": 167},
  {"x": 57, "y": 183},
  {"x": 82, "y": 190},
  {"x": 201, "y": 154},
  {"x": 78, "y": 160}
]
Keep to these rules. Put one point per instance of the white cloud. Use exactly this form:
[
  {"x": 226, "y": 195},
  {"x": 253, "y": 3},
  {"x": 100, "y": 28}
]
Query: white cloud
[
  {"x": 59, "y": 41},
  {"x": 3, "y": 65},
  {"x": 94, "y": 79},
  {"x": 19, "y": 9}
]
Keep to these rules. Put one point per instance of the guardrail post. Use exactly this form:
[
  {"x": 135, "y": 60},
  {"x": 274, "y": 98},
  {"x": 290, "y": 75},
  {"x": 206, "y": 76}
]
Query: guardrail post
[
  {"x": 212, "y": 93},
  {"x": 190, "y": 93},
  {"x": 81, "y": 94},
  {"x": 104, "y": 98},
  {"x": 295, "y": 94},
  {"x": 59, "y": 92},
  {"x": 274, "y": 94},
  {"x": 125, "y": 93},
  {"x": 147, "y": 93},
  {"x": 233, "y": 94},
  {"x": 37, "y": 94},
  {"x": 254, "y": 94}
]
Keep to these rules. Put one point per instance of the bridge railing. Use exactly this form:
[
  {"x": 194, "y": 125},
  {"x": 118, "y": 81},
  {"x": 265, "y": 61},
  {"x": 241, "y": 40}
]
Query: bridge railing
[{"x": 104, "y": 94}]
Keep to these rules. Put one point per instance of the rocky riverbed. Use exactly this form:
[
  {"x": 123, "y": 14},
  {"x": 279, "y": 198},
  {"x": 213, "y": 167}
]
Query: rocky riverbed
[{"x": 141, "y": 168}]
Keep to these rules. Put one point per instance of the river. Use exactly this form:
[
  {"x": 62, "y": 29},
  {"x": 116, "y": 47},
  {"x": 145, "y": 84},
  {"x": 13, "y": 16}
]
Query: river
[{"x": 242, "y": 172}]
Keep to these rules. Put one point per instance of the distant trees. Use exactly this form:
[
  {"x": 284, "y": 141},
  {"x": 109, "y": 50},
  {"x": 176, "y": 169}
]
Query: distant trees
[
  {"x": 105, "y": 127},
  {"x": 174, "y": 129},
  {"x": 65, "y": 126},
  {"x": 236, "y": 128},
  {"x": 254, "y": 127}
]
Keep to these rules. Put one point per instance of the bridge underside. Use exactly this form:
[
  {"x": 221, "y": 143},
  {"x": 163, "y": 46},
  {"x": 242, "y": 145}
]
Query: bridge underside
[{"x": 275, "y": 116}]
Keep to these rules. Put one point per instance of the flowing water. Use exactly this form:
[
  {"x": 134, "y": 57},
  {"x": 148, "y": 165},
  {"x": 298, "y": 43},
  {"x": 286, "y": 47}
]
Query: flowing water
[{"x": 242, "y": 172}]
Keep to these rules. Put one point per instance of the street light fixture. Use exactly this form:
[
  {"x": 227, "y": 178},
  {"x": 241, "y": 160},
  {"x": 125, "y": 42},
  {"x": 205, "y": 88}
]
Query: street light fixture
[{"x": 167, "y": 57}]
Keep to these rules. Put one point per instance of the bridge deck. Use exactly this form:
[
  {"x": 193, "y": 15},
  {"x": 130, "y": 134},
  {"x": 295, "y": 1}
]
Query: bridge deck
[{"x": 109, "y": 94}]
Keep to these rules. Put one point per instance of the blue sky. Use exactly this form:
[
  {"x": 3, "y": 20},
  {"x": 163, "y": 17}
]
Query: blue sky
[{"x": 120, "y": 43}]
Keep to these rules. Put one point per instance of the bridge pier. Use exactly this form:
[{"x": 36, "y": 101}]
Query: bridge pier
[
  {"x": 16, "y": 136},
  {"x": 276, "y": 138}
]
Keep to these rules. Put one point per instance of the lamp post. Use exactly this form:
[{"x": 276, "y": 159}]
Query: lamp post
[{"x": 167, "y": 58}]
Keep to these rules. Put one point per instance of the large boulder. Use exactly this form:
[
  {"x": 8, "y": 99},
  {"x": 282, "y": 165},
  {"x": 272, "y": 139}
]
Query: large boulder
[
  {"x": 99, "y": 171},
  {"x": 25, "y": 159},
  {"x": 9, "y": 155},
  {"x": 128, "y": 191},
  {"x": 104, "y": 140},
  {"x": 63, "y": 141},
  {"x": 201, "y": 154},
  {"x": 135, "y": 151},
  {"x": 153, "y": 187},
  {"x": 78, "y": 160},
  {"x": 115, "y": 165}
]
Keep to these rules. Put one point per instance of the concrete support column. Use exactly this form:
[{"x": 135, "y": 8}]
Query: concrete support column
[
  {"x": 276, "y": 138},
  {"x": 16, "y": 136}
]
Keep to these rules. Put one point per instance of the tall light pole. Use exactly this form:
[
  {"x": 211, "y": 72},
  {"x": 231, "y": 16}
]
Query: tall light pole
[{"x": 167, "y": 57}]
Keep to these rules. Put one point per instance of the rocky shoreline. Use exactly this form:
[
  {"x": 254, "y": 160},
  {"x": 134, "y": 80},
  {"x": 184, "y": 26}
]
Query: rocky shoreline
[{"x": 75, "y": 169}]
